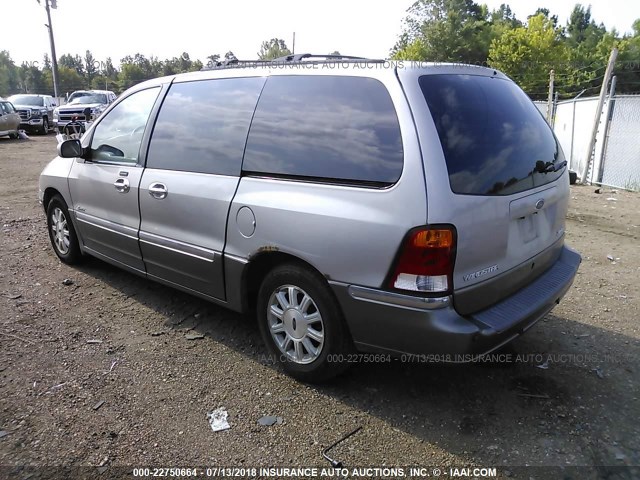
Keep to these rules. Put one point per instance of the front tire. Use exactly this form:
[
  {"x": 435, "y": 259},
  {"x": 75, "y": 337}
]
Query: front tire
[
  {"x": 302, "y": 324},
  {"x": 45, "y": 126},
  {"x": 61, "y": 232}
]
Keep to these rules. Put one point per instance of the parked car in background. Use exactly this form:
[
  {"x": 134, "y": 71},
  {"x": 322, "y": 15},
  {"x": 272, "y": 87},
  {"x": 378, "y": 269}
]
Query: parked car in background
[
  {"x": 75, "y": 110},
  {"x": 9, "y": 119},
  {"x": 36, "y": 111},
  {"x": 416, "y": 212}
]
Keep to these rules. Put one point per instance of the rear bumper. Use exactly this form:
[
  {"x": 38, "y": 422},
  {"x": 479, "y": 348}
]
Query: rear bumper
[{"x": 399, "y": 324}]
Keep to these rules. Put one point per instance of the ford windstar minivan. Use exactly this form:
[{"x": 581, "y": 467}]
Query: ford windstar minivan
[{"x": 353, "y": 205}]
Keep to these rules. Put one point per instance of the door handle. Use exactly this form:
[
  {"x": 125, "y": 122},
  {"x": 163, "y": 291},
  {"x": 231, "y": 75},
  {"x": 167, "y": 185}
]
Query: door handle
[
  {"x": 158, "y": 190},
  {"x": 122, "y": 185}
]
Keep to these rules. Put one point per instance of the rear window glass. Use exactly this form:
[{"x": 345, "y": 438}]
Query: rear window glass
[
  {"x": 494, "y": 140},
  {"x": 331, "y": 128}
]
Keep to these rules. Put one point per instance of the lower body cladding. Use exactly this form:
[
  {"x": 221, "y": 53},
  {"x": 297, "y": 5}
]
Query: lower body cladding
[{"x": 401, "y": 324}]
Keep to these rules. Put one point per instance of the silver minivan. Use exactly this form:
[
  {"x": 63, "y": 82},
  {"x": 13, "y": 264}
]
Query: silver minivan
[{"x": 412, "y": 211}]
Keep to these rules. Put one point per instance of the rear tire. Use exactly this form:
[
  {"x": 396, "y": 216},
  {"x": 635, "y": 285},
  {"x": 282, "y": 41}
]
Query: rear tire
[
  {"x": 302, "y": 324},
  {"x": 61, "y": 232},
  {"x": 14, "y": 136}
]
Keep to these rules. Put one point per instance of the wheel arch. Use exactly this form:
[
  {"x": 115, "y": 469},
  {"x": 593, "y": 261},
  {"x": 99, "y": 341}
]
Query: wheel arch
[
  {"x": 259, "y": 266},
  {"x": 49, "y": 193}
]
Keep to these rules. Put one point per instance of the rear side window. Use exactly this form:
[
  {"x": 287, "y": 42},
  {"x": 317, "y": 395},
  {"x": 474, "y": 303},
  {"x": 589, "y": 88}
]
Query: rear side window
[
  {"x": 202, "y": 126},
  {"x": 495, "y": 141},
  {"x": 334, "y": 128}
]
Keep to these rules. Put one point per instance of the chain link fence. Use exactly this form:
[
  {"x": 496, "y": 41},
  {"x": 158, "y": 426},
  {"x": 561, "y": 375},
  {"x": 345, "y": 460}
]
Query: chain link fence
[
  {"x": 621, "y": 161},
  {"x": 616, "y": 157}
]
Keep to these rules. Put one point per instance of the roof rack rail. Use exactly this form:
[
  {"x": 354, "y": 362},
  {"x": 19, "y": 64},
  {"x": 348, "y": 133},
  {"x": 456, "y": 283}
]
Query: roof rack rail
[
  {"x": 227, "y": 63},
  {"x": 298, "y": 57},
  {"x": 293, "y": 58}
]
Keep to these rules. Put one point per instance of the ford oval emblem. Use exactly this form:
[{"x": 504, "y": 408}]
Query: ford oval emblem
[{"x": 540, "y": 204}]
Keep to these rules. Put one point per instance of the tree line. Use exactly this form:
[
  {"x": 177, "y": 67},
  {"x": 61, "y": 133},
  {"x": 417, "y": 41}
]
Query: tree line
[
  {"x": 77, "y": 72},
  {"x": 433, "y": 30},
  {"x": 467, "y": 32}
]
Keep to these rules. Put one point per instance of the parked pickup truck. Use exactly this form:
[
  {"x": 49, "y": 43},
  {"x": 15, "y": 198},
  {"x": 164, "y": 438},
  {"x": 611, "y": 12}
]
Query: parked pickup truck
[
  {"x": 36, "y": 111},
  {"x": 76, "y": 107}
]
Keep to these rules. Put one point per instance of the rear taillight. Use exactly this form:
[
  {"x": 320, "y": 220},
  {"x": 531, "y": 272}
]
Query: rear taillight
[{"x": 425, "y": 261}]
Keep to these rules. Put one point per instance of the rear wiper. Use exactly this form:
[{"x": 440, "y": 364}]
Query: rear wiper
[{"x": 548, "y": 167}]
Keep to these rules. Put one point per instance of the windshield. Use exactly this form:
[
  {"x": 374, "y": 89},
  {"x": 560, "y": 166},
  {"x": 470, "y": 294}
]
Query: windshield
[
  {"x": 30, "y": 100},
  {"x": 86, "y": 97},
  {"x": 495, "y": 142}
]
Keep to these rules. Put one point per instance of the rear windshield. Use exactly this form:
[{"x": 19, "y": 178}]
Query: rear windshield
[{"x": 494, "y": 139}]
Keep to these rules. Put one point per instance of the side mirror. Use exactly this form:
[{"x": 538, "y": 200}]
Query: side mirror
[{"x": 70, "y": 149}]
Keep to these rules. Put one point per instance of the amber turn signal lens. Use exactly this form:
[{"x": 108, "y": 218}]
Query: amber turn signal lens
[{"x": 433, "y": 239}]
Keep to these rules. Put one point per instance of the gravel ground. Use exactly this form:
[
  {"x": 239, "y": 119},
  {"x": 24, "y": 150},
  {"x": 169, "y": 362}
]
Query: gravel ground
[{"x": 104, "y": 369}]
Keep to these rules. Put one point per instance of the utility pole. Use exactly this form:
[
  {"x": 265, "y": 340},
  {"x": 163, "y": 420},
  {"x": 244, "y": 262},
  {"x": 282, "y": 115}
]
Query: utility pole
[
  {"x": 54, "y": 59},
  {"x": 596, "y": 120},
  {"x": 293, "y": 48},
  {"x": 550, "y": 99},
  {"x": 607, "y": 128}
]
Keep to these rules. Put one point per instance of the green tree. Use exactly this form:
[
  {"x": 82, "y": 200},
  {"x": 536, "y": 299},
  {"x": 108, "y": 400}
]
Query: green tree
[
  {"x": 585, "y": 64},
  {"x": 180, "y": 64},
  {"x": 100, "y": 82},
  {"x": 90, "y": 68},
  {"x": 629, "y": 74},
  {"x": 274, "y": 48},
  {"x": 31, "y": 79},
  {"x": 626, "y": 68},
  {"x": 213, "y": 59},
  {"x": 69, "y": 80},
  {"x": 414, "y": 50},
  {"x": 445, "y": 31},
  {"x": 47, "y": 81},
  {"x": 528, "y": 53},
  {"x": 130, "y": 74},
  {"x": 139, "y": 68},
  {"x": 109, "y": 70},
  {"x": 545, "y": 12},
  {"x": 502, "y": 19},
  {"x": 9, "y": 78},
  {"x": 71, "y": 61}
]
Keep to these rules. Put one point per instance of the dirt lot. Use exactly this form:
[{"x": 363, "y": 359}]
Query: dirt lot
[{"x": 115, "y": 338}]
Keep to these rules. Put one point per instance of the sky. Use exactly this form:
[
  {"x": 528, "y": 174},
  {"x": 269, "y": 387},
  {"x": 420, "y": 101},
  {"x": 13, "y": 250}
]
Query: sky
[{"x": 166, "y": 28}]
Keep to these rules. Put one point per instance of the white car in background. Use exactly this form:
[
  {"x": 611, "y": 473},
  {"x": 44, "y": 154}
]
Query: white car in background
[{"x": 83, "y": 106}]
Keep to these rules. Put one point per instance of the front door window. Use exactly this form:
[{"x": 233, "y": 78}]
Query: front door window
[{"x": 117, "y": 138}]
